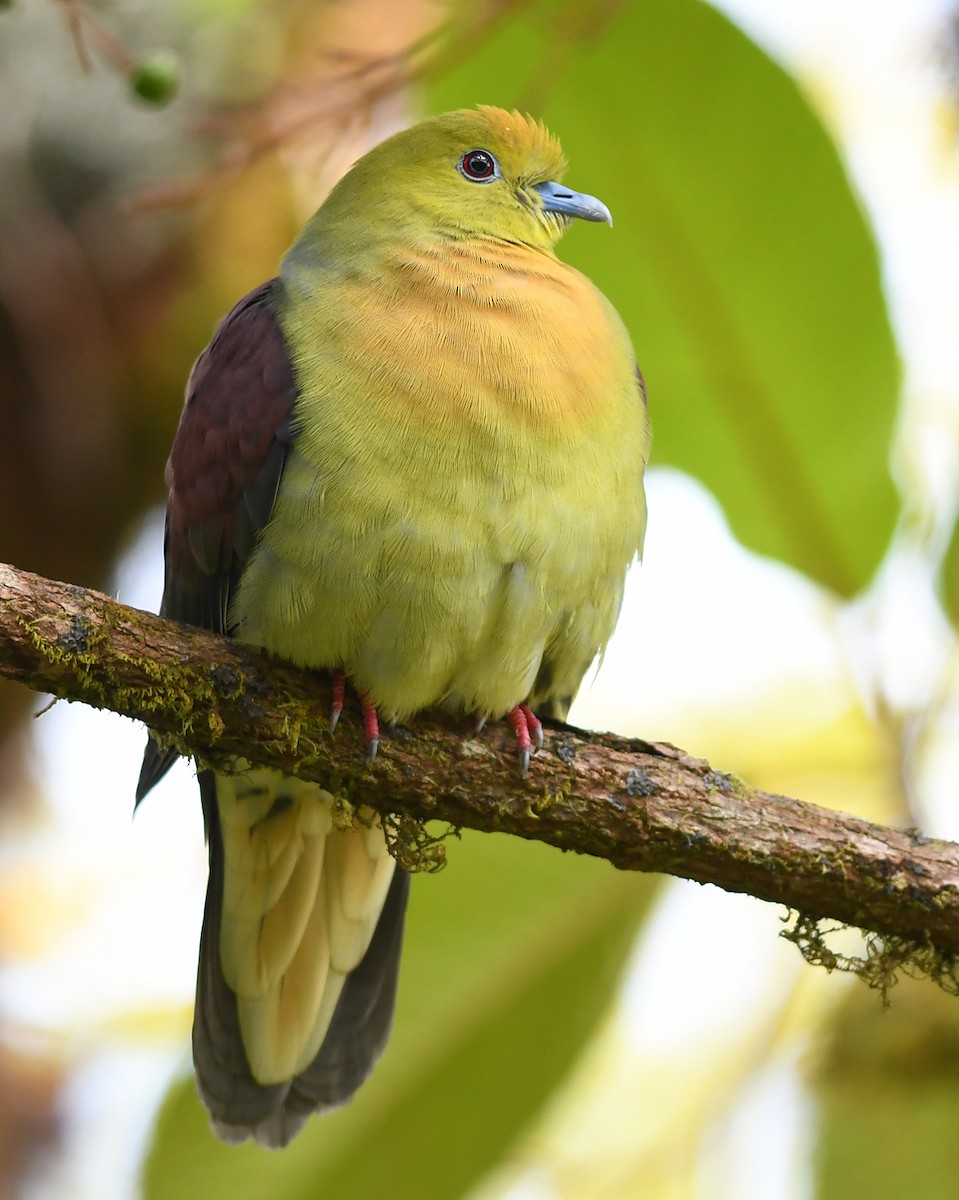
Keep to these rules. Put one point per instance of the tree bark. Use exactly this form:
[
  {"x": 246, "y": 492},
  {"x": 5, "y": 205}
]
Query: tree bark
[{"x": 640, "y": 805}]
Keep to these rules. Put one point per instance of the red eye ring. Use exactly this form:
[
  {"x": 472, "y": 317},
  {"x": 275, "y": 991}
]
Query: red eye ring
[{"x": 478, "y": 165}]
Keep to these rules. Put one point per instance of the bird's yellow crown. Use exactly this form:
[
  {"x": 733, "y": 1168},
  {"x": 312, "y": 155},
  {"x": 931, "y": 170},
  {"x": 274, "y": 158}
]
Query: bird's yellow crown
[{"x": 464, "y": 174}]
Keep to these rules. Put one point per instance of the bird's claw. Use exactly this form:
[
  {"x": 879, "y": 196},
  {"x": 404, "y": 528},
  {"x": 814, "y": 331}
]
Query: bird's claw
[
  {"x": 371, "y": 722},
  {"x": 529, "y": 733},
  {"x": 339, "y": 696},
  {"x": 535, "y": 726}
]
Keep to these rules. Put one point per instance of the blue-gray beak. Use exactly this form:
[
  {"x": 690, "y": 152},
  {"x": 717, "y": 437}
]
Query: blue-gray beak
[{"x": 559, "y": 199}]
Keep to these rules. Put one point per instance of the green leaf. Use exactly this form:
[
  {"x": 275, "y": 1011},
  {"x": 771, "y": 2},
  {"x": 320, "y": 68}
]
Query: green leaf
[
  {"x": 741, "y": 262},
  {"x": 950, "y": 577},
  {"x": 511, "y": 956},
  {"x": 888, "y": 1096}
]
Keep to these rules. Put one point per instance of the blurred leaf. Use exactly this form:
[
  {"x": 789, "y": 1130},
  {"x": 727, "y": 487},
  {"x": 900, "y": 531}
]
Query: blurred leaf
[
  {"x": 889, "y": 1101},
  {"x": 691, "y": 1091},
  {"x": 950, "y": 577},
  {"x": 511, "y": 956},
  {"x": 741, "y": 263}
]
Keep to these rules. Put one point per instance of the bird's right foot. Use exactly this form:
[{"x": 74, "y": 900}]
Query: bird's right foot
[{"x": 529, "y": 733}]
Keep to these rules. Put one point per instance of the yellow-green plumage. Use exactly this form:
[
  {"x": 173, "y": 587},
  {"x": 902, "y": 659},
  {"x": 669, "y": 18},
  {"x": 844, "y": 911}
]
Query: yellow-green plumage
[
  {"x": 460, "y": 501},
  {"x": 465, "y": 491}
]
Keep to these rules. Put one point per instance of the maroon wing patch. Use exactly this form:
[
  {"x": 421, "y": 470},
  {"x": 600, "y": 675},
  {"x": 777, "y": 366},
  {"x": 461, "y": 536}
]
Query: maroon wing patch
[
  {"x": 227, "y": 459},
  {"x": 224, "y": 470}
]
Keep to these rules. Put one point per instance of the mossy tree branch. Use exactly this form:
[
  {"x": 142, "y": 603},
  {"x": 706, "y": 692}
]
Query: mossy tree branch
[{"x": 642, "y": 806}]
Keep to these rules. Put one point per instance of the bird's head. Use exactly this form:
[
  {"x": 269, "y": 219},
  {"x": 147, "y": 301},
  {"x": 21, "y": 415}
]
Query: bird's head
[{"x": 478, "y": 172}]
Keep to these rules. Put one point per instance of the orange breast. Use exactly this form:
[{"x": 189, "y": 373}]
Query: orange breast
[{"x": 489, "y": 332}]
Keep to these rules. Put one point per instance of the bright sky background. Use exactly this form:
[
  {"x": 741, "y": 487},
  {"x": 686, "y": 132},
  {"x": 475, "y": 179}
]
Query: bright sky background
[{"x": 876, "y": 75}]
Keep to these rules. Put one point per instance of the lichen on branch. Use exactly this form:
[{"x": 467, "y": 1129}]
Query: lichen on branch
[{"x": 640, "y": 805}]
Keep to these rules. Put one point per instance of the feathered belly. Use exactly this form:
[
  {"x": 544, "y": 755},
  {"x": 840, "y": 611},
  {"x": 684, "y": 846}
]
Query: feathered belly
[
  {"x": 429, "y": 589},
  {"x": 443, "y": 524}
]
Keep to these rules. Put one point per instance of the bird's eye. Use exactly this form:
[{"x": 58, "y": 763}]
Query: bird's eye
[{"x": 479, "y": 166}]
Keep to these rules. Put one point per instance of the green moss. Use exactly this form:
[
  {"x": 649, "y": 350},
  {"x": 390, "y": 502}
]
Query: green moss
[
  {"x": 184, "y": 691},
  {"x": 884, "y": 958},
  {"x": 547, "y": 800},
  {"x": 413, "y": 846},
  {"x": 75, "y": 648},
  {"x": 344, "y": 812}
]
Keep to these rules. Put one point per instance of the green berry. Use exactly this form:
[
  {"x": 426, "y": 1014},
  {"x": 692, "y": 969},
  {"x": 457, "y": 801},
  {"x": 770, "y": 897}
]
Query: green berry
[{"x": 156, "y": 78}]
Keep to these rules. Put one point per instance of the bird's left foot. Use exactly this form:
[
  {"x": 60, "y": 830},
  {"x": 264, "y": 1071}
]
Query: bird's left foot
[
  {"x": 371, "y": 721},
  {"x": 339, "y": 696},
  {"x": 529, "y": 733}
]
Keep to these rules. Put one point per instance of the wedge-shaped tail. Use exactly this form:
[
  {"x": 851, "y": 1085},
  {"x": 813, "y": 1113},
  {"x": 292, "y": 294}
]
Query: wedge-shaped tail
[{"x": 298, "y": 956}]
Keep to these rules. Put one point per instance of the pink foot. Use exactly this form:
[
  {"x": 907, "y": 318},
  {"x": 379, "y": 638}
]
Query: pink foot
[
  {"x": 528, "y": 730},
  {"x": 535, "y": 726},
  {"x": 371, "y": 722},
  {"x": 339, "y": 696}
]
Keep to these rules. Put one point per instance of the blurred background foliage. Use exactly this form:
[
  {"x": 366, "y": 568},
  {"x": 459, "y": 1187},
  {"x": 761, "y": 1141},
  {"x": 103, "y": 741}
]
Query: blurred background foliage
[{"x": 793, "y": 620}]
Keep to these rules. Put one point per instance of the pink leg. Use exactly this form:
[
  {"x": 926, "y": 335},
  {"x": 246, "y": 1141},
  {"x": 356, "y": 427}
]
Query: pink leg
[
  {"x": 370, "y": 720},
  {"x": 339, "y": 696},
  {"x": 371, "y": 724},
  {"x": 534, "y": 724},
  {"x": 518, "y": 719}
]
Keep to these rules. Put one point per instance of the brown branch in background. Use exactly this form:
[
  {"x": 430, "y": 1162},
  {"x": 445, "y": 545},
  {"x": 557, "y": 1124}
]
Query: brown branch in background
[
  {"x": 345, "y": 88},
  {"x": 339, "y": 92},
  {"x": 74, "y": 16},
  {"x": 640, "y": 805},
  {"x": 86, "y": 29}
]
